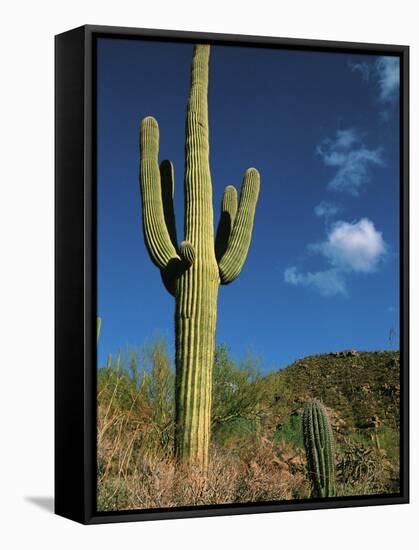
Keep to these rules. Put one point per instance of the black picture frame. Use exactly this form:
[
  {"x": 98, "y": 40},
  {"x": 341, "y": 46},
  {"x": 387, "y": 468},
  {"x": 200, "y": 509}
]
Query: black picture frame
[{"x": 75, "y": 273}]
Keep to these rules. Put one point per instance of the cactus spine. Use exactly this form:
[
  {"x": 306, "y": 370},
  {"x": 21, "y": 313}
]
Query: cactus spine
[
  {"x": 193, "y": 270},
  {"x": 319, "y": 446}
]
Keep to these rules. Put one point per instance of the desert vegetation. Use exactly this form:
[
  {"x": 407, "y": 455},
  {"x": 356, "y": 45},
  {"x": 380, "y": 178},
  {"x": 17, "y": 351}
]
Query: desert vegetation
[{"x": 257, "y": 447}]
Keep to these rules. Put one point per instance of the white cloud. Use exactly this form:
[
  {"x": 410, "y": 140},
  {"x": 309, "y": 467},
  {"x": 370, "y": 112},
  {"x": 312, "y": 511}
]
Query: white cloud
[
  {"x": 355, "y": 247},
  {"x": 326, "y": 209},
  {"x": 363, "y": 68},
  {"x": 346, "y": 138},
  {"x": 384, "y": 72},
  {"x": 351, "y": 158},
  {"x": 328, "y": 283},
  {"x": 388, "y": 77}
]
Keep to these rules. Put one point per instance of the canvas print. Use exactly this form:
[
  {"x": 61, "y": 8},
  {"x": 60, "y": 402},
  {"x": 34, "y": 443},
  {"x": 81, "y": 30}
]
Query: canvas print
[{"x": 248, "y": 261}]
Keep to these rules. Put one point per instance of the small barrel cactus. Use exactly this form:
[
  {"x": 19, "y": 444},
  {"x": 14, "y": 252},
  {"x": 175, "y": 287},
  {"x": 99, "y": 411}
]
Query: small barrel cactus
[{"x": 319, "y": 446}]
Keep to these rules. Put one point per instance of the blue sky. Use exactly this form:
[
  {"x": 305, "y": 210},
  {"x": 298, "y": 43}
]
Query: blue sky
[{"x": 323, "y": 131}]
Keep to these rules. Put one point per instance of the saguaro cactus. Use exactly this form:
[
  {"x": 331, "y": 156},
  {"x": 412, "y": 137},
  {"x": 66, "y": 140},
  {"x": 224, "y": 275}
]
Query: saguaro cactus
[
  {"x": 319, "y": 446},
  {"x": 193, "y": 270}
]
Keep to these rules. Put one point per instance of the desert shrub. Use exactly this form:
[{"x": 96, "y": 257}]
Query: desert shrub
[
  {"x": 388, "y": 438},
  {"x": 135, "y": 410},
  {"x": 256, "y": 452},
  {"x": 290, "y": 430},
  {"x": 237, "y": 409},
  {"x": 365, "y": 470}
]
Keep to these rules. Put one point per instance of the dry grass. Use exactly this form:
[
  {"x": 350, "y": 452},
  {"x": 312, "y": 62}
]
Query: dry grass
[
  {"x": 161, "y": 483},
  {"x": 248, "y": 461},
  {"x": 136, "y": 468}
]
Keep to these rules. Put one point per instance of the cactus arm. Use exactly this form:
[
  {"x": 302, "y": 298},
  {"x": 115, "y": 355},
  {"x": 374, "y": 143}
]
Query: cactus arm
[
  {"x": 187, "y": 253},
  {"x": 225, "y": 225},
  {"x": 177, "y": 266},
  {"x": 156, "y": 234},
  {"x": 167, "y": 176},
  {"x": 233, "y": 260}
]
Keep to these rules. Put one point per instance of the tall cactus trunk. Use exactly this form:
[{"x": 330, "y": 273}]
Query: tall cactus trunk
[
  {"x": 196, "y": 296},
  {"x": 193, "y": 271},
  {"x": 195, "y": 341}
]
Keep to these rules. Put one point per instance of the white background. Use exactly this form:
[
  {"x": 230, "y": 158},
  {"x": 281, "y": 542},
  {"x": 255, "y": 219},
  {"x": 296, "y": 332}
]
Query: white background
[{"x": 26, "y": 273}]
